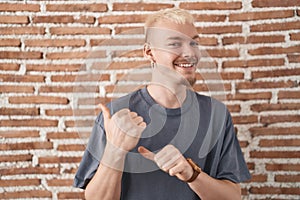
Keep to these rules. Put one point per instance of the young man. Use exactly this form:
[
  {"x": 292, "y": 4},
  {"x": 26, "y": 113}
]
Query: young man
[{"x": 164, "y": 141}]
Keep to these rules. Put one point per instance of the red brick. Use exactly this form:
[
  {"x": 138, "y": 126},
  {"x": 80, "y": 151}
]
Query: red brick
[
  {"x": 271, "y": 107},
  {"x": 21, "y": 78},
  {"x": 64, "y": 135},
  {"x": 289, "y": 94},
  {"x": 19, "y": 111},
  {"x": 43, "y": 160},
  {"x": 128, "y": 65},
  {"x": 253, "y": 39},
  {"x": 22, "y": 31},
  {"x": 280, "y": 26},
  {"x": 249, "y": 96},
  {"x": 274, "y": 154},
  {"x": 278, "y": 143},
  {"x": 53, "y": 67},
  {"x": 276, "y": 73},
  {"x": 287, "y": 178},
  {"x": 54, "y": 43},
  {"x": 19, "y": 134},
  {"x": 261, "y": 131},
  {"x": 209, "y": 18},
  {"x": 275, "y": 3},
  {"x": 14, "y": 158},
  {"x": 76, "y": 55},
  {"x": 26, "y": 194},
  {"x": 234, "y": 108},
  {"x": 29, "y": 170},
  {"x": 117, "y": 42},
  {"x": 64, "y": 19},
  {"x": 140, "y": 6},
  {"x": 94, "y": 101},
  {"x": 121, "y": 88},
  {"x": 121, "y": 19},
  {"x": 261, "y": 178},
  {"x": 129, "y": 30},
  {"x": 69, "y": 89},
  {"x": 250, "y": 16},
  {"x": 253, "y": 63},
  {"x": 60, "y": 182},
  {"x": 16, "y": 89},
  {"x": 79, "y": 31},
  {"x": 212, "y": 87},
  {"x": 13, "y": 19},
  {"x": 258, "y": 85},
  {"x": 70, "y": 112},
  {"x": 20, "y": 55},
  {"x": 71, "y": 147},
  {"x": 274, "y": 190},
  {"x": 99, "y": 7},
  {"x": 12, "y": 7},
  {"x": 38, "y": 100},
  {"x": 245, "y": 119},
  {"x": 9, "y": 66},
  {"x": 282, "y": 167},
  {"x": 10, "y": 43},
  {"x": 80, "y": 78},
  {"x": 270, "y": 119},
  {"x": 26, "y": 146},
  {"x": 29, "y": 122},
  {"x": 220, "y": 29},
  {"x": 211, "y": 5},
  {"x": 70, "y": 195},
  {"x": 220, "y": 53},
  {"x": 295, "y": 36},
  {"x": 294, "y": 58},
  {"x": 79, "y": 123},
  {"x": 20, "y": 182},
  {"x": 274, "y": 50}
]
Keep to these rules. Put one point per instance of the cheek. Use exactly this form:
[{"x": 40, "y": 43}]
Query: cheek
[{"x": 165, "y": 58}]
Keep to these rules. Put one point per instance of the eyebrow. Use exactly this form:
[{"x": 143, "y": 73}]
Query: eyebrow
[{"x": 180, "y": 38}]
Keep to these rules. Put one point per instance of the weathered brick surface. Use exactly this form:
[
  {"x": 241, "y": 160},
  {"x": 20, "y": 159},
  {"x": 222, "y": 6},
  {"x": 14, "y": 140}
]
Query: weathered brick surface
[{"x": 59, "y": 59}]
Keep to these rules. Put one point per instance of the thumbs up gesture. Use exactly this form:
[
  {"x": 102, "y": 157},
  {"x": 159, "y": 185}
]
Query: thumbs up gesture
[
  {"x": 123, "y": 129},
  {"x": 170, "y": 160}
]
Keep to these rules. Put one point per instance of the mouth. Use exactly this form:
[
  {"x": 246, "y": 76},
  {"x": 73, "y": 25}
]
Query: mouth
[{"x": 185, "y": 65}]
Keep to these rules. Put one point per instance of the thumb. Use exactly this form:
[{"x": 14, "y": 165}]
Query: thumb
[
  {"x": 105, "y": 111},
  {"x": 146, "y": 153}
]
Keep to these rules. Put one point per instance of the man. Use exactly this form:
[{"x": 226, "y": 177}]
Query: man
[{"x": 140, "y": 143}]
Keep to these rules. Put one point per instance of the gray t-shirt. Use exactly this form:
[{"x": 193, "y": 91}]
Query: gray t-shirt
[{"x": 201, "y": 129}]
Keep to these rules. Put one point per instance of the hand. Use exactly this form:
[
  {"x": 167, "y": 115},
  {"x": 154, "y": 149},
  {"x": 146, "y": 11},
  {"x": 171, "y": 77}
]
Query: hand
[
  {"x": 123, "y": 129},
  {"x": 170, "y": 160}
]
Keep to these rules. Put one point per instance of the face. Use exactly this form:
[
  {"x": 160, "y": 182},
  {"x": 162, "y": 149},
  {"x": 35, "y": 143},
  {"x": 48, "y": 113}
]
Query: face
[{"x": 174, "y": 46}]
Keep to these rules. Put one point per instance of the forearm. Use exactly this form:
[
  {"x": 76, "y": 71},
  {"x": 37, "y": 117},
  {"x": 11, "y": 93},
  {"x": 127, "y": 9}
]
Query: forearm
[
  {"x": 106, "y": 183},
  {"x": 208, "y": 188}
]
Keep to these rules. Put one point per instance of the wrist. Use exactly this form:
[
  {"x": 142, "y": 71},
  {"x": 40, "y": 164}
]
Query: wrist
[
  {"x": 113, "y": 157},
  {"x": 196, "y": 170}
]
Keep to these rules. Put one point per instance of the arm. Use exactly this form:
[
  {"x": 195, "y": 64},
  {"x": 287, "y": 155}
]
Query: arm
[
  {"x": 207, "y": 187},
  {"x": 123, "y": 131},
  {"x": 170, "y": 160}
]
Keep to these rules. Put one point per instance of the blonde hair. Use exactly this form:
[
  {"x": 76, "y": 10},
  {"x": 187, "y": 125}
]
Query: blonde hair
[{"x": 176, "y": 15}]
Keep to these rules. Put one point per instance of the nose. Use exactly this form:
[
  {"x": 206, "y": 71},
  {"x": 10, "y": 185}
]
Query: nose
[{"x": 188, "y": 51}]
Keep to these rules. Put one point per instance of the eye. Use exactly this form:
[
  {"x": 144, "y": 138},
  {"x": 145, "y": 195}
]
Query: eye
[
  {"x": 194, "y": 43},
  {"x": 174, "y": 44}
]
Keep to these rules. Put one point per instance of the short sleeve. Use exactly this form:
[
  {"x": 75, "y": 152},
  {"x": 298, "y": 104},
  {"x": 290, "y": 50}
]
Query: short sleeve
[
  {"x": 92, "y": 155},
  {"x": 232, "y": 165}
]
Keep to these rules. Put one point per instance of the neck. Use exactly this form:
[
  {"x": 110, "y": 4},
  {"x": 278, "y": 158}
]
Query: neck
[{"x": 166, "y": 97}]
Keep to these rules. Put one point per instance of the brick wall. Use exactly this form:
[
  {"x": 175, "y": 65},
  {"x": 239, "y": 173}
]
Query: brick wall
[{"x": 58, "y": 59}]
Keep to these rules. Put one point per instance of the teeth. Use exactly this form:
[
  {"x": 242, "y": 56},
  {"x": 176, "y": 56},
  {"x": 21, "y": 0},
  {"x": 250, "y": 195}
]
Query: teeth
[{"x": 185, "y": 65}]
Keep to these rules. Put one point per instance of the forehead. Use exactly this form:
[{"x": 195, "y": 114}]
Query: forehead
[{"x": 167, "y": 28}]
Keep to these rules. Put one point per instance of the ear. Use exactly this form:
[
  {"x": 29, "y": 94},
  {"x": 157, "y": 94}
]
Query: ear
[{"x": 148, "y": 52}]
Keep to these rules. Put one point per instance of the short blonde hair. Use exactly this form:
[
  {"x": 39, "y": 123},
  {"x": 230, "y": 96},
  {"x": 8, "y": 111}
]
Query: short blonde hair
[{"x": 175, "y": 15}]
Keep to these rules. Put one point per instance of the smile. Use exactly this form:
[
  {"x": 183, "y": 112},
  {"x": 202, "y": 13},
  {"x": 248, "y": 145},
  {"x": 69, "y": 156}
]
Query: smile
[{"x": 185, "y": 65}]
